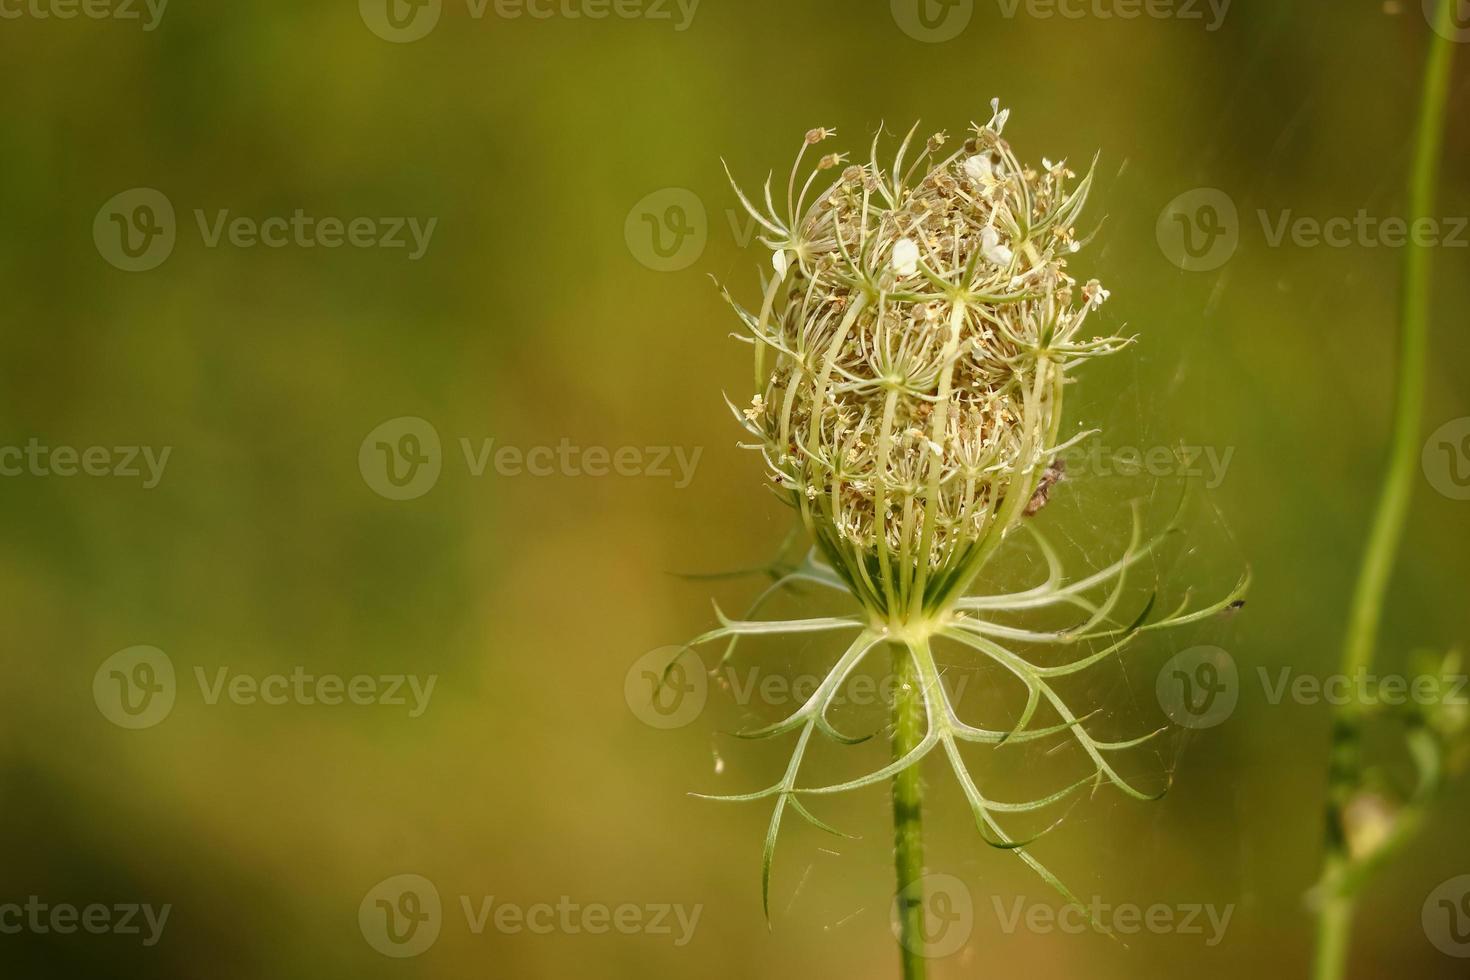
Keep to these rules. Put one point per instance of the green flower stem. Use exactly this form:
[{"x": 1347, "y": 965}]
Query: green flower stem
[
  {"x": 908, "y": 801},
  {"x": 1335, "y": 917},
  {"x": 1335, "y": 924},
  {"x": 1393, "y": 505}
]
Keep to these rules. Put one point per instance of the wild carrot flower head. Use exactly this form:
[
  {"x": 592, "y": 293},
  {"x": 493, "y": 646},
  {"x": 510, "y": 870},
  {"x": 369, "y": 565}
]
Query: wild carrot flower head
[{"x": 911, "y": 353}]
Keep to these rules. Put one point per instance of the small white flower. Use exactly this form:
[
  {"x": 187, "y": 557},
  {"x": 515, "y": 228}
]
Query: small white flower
[
  {"x": 992, "y": 249},
  {"x": 906, "y": 256},
  {"x": 979, "y": 168},
  {"x": 998, "y": 120},
  {"x": 1094, "y": 293},
  {"x": 780, "y": 263}
]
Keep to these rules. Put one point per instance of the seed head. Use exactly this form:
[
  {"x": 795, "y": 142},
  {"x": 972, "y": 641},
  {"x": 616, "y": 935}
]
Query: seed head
[{"x": 912, "y": 351}]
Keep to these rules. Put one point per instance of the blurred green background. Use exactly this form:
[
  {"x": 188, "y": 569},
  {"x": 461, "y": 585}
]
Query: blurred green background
[{"x": 539, "y": 314}]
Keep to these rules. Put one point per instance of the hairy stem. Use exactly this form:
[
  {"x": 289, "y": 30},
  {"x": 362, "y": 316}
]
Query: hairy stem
[
  {"x": 1335, "y": 925},
  {"x": 908, "y": 800}
]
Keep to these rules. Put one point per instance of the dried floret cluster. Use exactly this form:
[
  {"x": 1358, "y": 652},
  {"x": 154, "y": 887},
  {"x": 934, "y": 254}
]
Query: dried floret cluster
[{"x": 911, "y": 353}]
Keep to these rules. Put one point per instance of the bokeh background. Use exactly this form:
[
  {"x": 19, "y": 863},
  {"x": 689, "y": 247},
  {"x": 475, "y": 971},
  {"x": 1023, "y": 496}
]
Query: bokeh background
[{"x": 542, "y": 313}]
